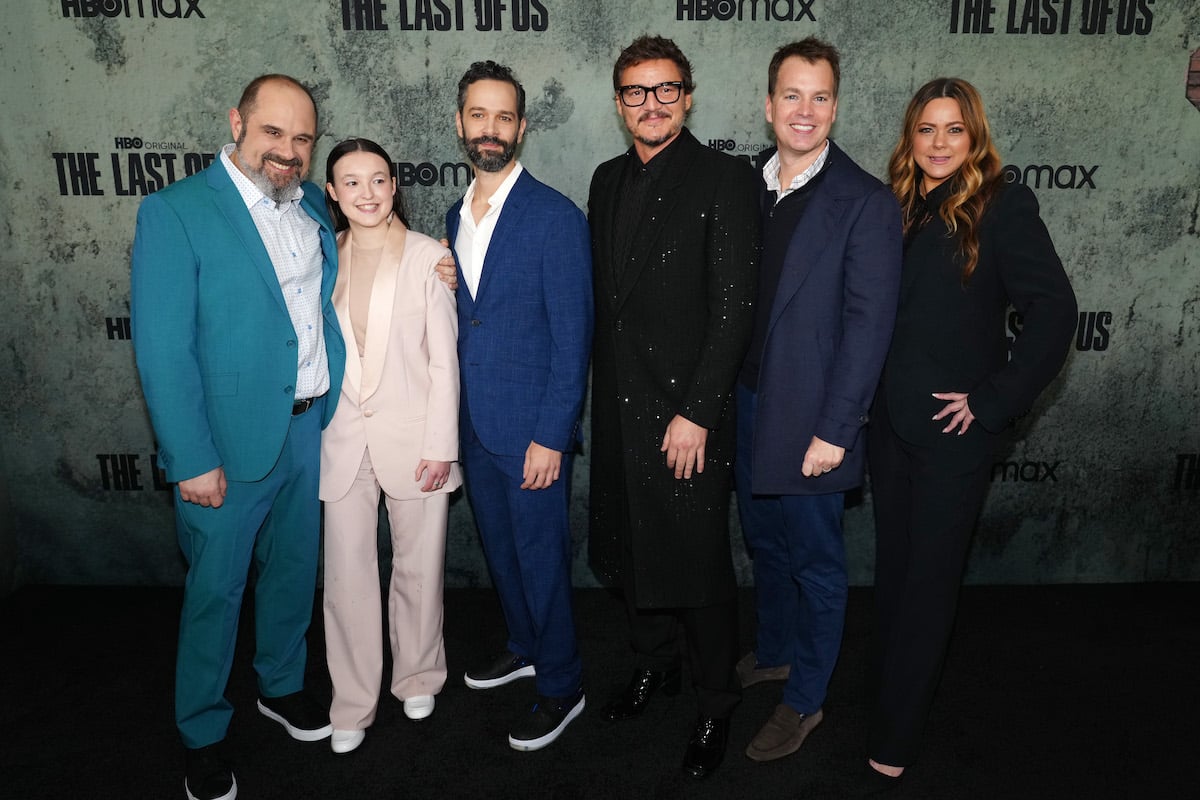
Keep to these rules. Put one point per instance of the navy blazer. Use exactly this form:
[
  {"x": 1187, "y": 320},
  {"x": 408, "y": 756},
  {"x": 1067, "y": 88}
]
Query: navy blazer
[
  {"x": 828, "y": 332},
  {"x": 525, "y": 339}
]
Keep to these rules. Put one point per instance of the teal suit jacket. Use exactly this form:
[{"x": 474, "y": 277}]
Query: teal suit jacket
[{"x": 215, "y": 345}]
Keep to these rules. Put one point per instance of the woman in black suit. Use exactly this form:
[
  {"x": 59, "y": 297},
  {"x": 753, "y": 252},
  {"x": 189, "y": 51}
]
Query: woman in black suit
[{"x": 973, "y": 245}]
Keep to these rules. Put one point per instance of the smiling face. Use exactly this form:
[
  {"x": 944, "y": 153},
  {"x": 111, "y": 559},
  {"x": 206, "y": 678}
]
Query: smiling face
[
  {"x": 654, "y": 125},
  {"x": 802, "y": 110},
  {"x": 488, "y": 124},
  {"x": 275, "y": 139},
  {"x": 363, "y": 188},
  {"x": 941, "y": 142}
]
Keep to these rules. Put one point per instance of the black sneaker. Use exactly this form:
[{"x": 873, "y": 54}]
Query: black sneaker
[
  {"x": 505, "y": 668},
  {"x": 299, "y": 715},
  {"x": 549, "y": 717},
  {"x": 208, "y": 774}
]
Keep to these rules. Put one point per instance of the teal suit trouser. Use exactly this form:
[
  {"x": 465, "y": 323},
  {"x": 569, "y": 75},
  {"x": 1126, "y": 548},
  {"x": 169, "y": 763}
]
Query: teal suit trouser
[{"x": 274, "y": 522}]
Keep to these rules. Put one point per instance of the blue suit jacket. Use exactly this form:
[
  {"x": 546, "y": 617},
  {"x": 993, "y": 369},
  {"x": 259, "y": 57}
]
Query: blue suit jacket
[
  {"x": 525, "y": 339},
  {"x": 215, "y": 345},
  {"x": 829, "y": 329}
]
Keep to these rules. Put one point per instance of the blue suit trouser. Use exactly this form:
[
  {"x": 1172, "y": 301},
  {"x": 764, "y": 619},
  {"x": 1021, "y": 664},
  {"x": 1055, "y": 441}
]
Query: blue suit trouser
[
  {"x": 527, "y": 541},
  {"x": 273, "y": 523},
  {"x": 800, "y": 583}
]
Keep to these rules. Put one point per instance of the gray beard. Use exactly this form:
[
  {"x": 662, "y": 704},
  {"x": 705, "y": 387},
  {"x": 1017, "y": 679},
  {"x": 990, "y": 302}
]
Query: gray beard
[
  {"x": 258, "y": 176},
  {"x": 280, "y": 194}
]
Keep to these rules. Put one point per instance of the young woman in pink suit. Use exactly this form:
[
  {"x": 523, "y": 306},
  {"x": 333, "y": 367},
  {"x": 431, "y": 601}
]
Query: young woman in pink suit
[
  {"x": 395, "y": 431},
  {"x": 973, "y": 245}
]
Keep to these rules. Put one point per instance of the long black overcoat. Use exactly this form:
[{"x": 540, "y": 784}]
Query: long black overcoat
[{"x": 670, "y": 338}]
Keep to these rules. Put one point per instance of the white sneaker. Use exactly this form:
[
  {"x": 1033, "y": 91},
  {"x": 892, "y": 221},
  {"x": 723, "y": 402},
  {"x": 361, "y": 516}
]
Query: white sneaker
[
  {"x": 418, "y": 707},
  {"x": 345, "y": 741}
]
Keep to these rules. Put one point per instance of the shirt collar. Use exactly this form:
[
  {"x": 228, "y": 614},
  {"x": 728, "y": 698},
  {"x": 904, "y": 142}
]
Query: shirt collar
[
  {"x": 770, "y": 173},
  {"x": 501, "y": 194},
  {"x": 251, "y": 194}
]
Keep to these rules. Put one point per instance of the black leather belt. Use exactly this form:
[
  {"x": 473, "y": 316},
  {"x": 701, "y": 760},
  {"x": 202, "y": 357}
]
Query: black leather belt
[{"x": 300, "y": 406}]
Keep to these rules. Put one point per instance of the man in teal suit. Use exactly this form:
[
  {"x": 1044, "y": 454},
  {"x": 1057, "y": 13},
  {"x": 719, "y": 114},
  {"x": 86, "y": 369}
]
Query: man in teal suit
[{"x": 241, "y": 361}]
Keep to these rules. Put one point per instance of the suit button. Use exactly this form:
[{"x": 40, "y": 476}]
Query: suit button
[
  {"x": 291, "y": 342},
  {"x": 475, "y": 323},
  {"x": 368, "y": 412},
  {"x": 289, "y": 390},
  {"x": 619, "y": 326}
]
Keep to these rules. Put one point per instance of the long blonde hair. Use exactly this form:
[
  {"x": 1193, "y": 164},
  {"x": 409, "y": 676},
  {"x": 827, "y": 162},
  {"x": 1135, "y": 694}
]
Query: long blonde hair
[{"x": 972, "y": 187}]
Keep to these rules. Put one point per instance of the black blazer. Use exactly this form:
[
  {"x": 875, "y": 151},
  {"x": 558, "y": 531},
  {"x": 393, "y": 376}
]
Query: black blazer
[{"x": 950, "y": 337}]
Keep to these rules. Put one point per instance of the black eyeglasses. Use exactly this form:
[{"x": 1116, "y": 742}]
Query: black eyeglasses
[{"x": 666, "y": 93}]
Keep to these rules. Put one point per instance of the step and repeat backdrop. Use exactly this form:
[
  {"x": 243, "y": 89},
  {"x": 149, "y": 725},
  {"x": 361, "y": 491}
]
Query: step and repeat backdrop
[{"x": 1095, "y": 105}]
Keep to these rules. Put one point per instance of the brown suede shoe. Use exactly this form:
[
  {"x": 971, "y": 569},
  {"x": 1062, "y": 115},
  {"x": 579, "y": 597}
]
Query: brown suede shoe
[
  {"x": 783, "y": 733},
  {"x": 749, "y": 673}
]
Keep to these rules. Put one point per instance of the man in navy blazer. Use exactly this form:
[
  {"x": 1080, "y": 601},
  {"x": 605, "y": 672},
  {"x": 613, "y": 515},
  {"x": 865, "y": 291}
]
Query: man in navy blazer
[
  {"x": 525, "y": 330},
  {"x": 828, "y": 287},
  {"x": 241, "y": 360}
]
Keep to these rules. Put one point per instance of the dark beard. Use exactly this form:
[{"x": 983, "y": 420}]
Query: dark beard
[{"x": 489, "y": 162}]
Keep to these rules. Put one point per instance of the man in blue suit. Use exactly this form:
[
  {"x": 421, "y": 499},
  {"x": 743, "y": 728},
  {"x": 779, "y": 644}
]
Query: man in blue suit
[
  {"x": 525, "y": 332},
  {"x": 241, "y": 360},
  {"x": 828, "y": 286}
]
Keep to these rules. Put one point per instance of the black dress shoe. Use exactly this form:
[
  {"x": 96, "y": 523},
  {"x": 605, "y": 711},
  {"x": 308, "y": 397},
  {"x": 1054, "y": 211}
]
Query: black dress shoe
[
  {"x": 706, "y": 748},
  {"x": 645, "y": 682}
]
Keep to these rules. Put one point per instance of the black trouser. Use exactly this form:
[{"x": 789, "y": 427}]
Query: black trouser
[
  {"x": 711, "y": 634},
  {"x": 926, "y": 502}
]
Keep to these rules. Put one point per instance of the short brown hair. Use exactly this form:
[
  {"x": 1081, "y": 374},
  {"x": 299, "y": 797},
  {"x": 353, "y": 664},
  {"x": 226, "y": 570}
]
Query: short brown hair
[
  {"x": 653, "y": 48},
  {"x": 810, "y": 49}
]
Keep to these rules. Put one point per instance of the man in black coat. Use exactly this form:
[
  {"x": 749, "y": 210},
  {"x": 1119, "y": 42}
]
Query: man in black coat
[{"x": 674, "y": 243}]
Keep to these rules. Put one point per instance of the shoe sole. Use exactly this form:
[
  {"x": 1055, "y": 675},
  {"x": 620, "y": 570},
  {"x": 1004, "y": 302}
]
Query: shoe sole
[
  {"x": 230, "y": 795},
  {"x": 491, "y": 683},
  {"x": 528, "y": 745},
  {"x": 299, "y": 734}
]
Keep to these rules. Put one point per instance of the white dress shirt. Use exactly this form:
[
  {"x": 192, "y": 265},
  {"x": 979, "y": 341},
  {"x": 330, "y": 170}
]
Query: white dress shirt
[
  {"x": 293, "y": 242},
  {"x": 471, "y": 243}
]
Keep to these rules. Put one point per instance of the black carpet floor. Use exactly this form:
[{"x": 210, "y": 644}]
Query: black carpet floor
[{"x": 1049, "y": 692}]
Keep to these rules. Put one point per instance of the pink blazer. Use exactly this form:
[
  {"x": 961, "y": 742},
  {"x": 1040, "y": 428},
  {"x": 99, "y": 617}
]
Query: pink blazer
[{"x": 402, "y": 397}]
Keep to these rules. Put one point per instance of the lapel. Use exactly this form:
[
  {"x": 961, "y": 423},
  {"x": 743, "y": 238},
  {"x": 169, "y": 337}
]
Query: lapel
[
  {"x": 663, "y": 198},
  {"x": 506, "y": 229},
  {"x": 313, "y": 204},
  {"x": 812, "y": 236},
  {"x": 233, "y": 208},
  {"x": 603, "y": 221},
  {"x": 364, "y": 373},
  {"x": 379, "y": 317}
]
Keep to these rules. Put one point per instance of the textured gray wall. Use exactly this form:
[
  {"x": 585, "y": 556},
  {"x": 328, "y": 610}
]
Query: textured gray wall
[{"x": 105, "y": 100}]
